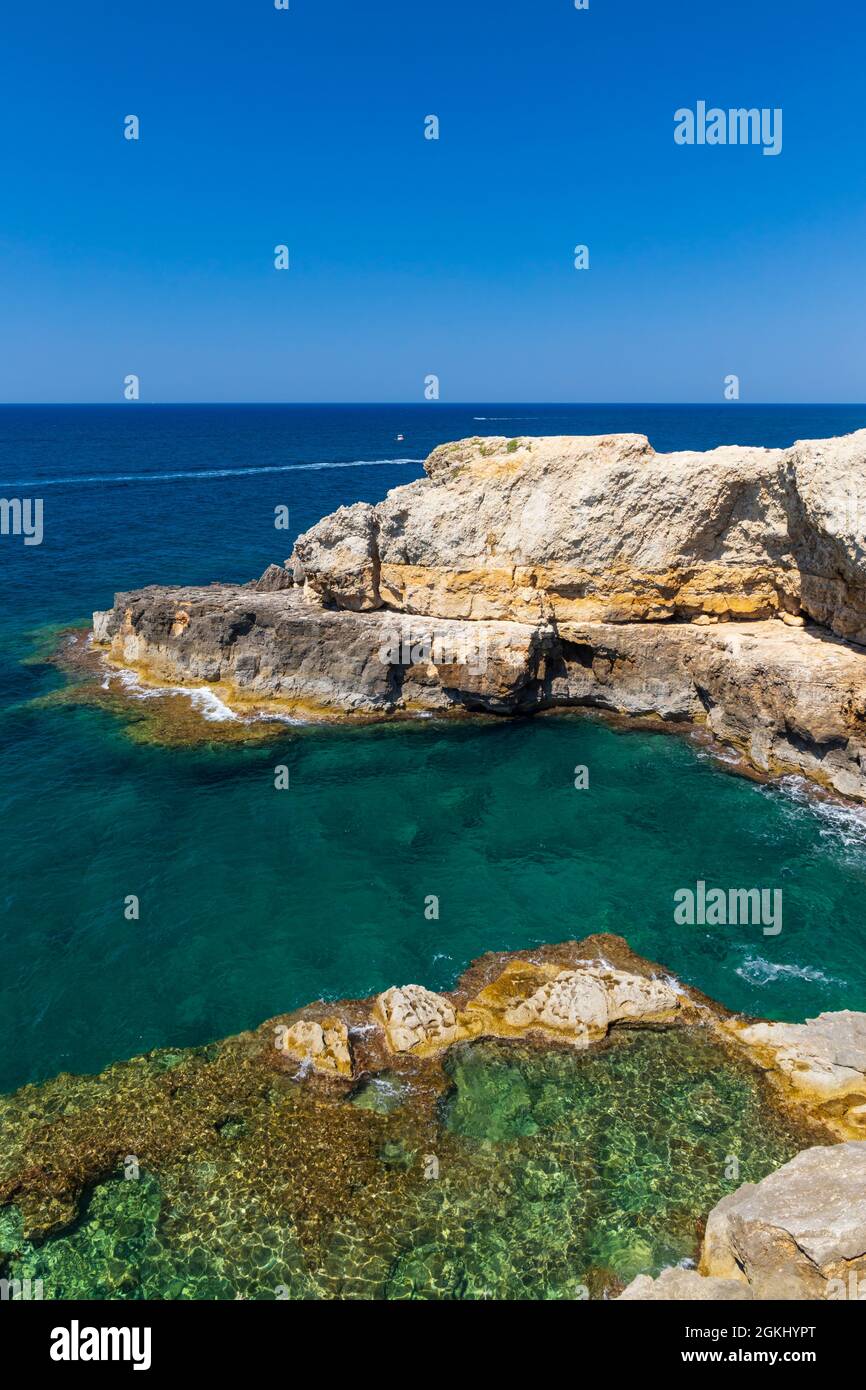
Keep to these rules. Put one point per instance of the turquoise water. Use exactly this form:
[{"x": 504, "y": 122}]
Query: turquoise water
[{"x": 254, "y": 901}]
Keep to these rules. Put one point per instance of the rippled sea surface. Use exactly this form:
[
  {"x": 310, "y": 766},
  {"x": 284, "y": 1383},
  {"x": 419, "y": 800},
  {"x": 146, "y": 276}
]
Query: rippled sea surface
[
  {"x": 255, "y": 901},
  {"x": 536, "y": 1174}
]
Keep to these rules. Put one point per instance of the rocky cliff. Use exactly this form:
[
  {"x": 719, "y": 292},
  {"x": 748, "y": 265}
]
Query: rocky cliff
[{"x": 726, "y": 588}]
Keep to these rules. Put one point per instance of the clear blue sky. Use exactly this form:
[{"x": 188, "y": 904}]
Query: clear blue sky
[{"x": 410, "y": 256}]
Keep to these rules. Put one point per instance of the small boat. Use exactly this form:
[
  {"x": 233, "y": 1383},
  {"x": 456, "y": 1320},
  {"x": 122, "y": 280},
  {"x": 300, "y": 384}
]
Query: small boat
[{"x": 400, "y": 438}]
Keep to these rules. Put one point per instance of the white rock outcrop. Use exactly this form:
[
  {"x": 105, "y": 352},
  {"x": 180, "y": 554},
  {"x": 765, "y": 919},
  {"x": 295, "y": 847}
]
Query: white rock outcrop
[
  {"x": 416, "y": 1020},
  {"x": 800, "y": 1233},
  {"x": 583, "y": 1003},
  {"x": 824, "y": 1057}
]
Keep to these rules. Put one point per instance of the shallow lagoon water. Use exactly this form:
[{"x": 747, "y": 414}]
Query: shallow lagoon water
[
  {"x": 539, "y": 1174},
  {"x": 254, "y": 901}
]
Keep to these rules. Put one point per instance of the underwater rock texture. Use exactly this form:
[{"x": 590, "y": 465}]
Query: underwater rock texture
[
  {"x": 531, "y": 574},
  {"x": 477, "y": 1144}
]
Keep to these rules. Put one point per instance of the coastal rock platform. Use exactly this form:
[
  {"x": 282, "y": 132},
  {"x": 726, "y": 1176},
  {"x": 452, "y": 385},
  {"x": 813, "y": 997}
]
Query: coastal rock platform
[
  {"x": 724, "y": 590},
  {"x": 542, "y": 1099}
]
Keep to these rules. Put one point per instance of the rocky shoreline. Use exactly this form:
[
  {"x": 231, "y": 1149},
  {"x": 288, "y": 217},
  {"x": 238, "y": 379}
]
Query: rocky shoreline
[
  {"x": 310, "y": 1097},
  {"x": 725, "y": 591}
]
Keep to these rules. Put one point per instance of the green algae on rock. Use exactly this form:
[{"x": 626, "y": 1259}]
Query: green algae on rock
[{"x": 504, "y": 1168}]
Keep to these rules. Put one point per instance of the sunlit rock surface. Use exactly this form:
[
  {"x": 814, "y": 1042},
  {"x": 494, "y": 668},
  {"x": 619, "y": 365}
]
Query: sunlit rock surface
[
  {"x": 800, "y": 1233},
  {"x": 725, "y": 589},
  {"x": 474, "y": 1145}
]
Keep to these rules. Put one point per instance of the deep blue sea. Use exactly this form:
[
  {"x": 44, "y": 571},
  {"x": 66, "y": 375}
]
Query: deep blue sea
[{"x": 254, "y": 902}]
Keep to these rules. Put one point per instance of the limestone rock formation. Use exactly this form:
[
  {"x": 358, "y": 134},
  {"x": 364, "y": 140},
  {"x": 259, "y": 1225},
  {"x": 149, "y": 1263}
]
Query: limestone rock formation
[
  {"x": 530, "y": 574},
  {"x": 822, "y": 1060},
  {"x": 274, "y": 579},
  {"x": 575, "y": 1006},
  {"x": 323, "y": 1046},
  {"x": 416, "y": 1020},
  {"x": 800, "y": 1233},
  {"x": 602, "y": 528},
  {"x": 575, "y": 1003},
  {"x": 583, "y": 1003}
]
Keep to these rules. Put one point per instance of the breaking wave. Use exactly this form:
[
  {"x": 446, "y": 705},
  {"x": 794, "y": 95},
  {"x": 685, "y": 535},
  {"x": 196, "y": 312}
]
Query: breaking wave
[
  {"x": 201, "y": 697},
  {"x": 763, "y": 972}
]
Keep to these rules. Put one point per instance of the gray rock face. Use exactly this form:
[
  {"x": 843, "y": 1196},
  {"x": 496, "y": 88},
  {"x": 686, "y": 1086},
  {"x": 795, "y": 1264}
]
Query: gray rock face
[
  {"x": 275, "y": 578},
  {"x": 275, "y": 646},
  {"x": 527, "y": 574},
  {"x": 799, "y": 1231}
]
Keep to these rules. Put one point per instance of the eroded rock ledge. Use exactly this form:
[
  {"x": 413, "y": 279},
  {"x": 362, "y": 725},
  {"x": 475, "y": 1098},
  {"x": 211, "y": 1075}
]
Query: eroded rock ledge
[
  {"x": 795, "y": 1234},
  {"x": 573, "y": 994},
  {"x": 726, "y": 589}
]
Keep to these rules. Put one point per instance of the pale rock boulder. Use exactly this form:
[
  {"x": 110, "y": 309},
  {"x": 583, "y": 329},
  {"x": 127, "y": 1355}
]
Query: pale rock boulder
[
  {"x": 323, "y": 1046},
  {"x": 582, "y": 1004},
  {"x": 796, "y": 1233},
  {"x": 829, "y": 531},
  {"x": 101, "y": 621},
  {"x": 338, "y": 559},
  {"x": 416, "y": 1020},
  {"x": 823, "y": 1059},
  {"x": 637, "y": 997},
  {"x": 575, "y": 1004},
  {"x": 685, "y": 1285}
]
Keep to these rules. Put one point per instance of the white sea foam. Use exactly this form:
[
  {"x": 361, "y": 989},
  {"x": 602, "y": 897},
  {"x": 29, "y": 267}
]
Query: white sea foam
[
  {"x": 835, "y": 820},
  {"x": 764, "y": 972},
  {"x": 201, "y": 697},
  {"x": 359, "y": 1030},
  {"x": 198, "y": 473}
]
